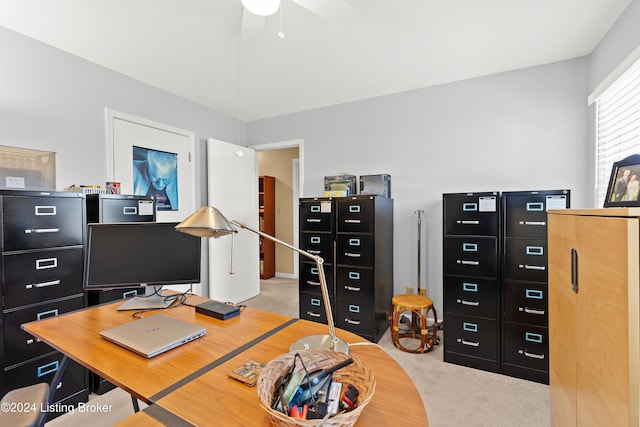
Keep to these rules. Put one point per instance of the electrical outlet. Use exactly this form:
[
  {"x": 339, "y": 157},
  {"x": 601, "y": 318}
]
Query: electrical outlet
[
  {"x": 409, "y": 290},
  {"x": 423, "y": 292}
]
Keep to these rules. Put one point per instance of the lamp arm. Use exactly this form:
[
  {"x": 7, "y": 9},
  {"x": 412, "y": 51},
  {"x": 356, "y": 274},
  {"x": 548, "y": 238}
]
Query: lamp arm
[{"x": 319, "y": 263}]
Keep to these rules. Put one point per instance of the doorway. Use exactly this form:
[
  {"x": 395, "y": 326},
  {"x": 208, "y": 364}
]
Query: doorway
[{"x": 284, "y": 161}]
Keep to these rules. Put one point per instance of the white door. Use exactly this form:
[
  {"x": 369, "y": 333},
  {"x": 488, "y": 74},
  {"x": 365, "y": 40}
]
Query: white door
[{"x": 233, "y": 190}]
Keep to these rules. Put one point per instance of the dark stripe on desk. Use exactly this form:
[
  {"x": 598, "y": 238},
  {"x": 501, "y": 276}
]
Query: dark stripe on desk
[
  {"x": 166, "y": 417},
  {"x": 173, "y": 387}
]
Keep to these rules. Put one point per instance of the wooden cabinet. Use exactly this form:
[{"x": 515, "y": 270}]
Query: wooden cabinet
[
  {"x": 594, "y": 317},
  {"x": 267, "y": 223}
]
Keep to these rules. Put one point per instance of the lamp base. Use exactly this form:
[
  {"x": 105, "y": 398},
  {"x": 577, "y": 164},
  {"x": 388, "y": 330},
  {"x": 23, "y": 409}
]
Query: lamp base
[{"x": 319, "y": 342}]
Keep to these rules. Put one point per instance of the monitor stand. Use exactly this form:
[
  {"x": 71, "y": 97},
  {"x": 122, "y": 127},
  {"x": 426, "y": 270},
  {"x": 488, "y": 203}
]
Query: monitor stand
[{"x": 151, "y": 300}]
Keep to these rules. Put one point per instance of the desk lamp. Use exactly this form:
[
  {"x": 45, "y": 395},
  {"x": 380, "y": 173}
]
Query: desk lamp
[{"x": 209, "y": 222}]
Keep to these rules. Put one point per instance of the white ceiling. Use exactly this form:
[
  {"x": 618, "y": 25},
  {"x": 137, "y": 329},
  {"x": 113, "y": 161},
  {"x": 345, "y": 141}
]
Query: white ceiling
[{"x": 362, "y": 49}]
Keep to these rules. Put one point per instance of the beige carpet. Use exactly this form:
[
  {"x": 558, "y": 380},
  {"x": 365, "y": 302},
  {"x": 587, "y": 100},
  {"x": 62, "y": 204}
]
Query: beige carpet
[{"x": 454, "y": 396}]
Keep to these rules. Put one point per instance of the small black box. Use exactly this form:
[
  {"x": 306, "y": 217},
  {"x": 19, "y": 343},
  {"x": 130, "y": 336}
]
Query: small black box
[{"x": 216, "y": 309}]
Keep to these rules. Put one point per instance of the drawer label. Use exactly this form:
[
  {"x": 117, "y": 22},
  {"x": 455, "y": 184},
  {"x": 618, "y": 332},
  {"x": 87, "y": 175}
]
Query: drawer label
[{"x": 470, "y": 327}]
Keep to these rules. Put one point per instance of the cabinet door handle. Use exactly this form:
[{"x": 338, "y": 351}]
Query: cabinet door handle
[
  {"x": 351, "y": 288},
  {"x": 574, "y": 270},
  {"x": 463, "y": 262},
  {"x": 533, "y": 267},
  {"x": 540, "y": 223},
  {"x": 313, "y": 220},
  {"x": 313, "y": 314},
  {"x": 468, "y": 222},
  {"x": 532, "y": 355},
  {"x": 42, "y": 284},
  {"x": 532, "y": 311},
  {"x": 353, "y": 322},
  {"x": 352, "y": 255},
  {"x": 470, "y": 343},
  {"x": 352, "y": 221},
  {"x": 471, "y": 303},
  {"x": 311, "y": 251},
  {"x": 309, "y": 282},
  {"x": 42, "y": 230}
]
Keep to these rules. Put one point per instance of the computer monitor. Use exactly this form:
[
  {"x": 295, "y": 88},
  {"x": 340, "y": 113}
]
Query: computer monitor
[{"x": 151, "y": 254}]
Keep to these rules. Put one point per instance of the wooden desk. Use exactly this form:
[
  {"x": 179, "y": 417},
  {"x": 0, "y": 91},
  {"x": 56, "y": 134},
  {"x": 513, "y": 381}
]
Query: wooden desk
[{"x": 190, "y": 383}]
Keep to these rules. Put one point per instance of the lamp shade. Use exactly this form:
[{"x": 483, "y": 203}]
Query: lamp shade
[
  {"x": 206, "y": 222},
  {"x": 261, "y": 7}
]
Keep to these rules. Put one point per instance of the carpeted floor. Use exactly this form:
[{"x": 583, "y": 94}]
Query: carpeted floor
[{"x": 454, "y": 396}]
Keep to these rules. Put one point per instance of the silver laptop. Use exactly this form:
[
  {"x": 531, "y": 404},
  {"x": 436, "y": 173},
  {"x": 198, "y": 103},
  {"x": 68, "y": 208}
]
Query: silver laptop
[{"x": 153, "y": 334}]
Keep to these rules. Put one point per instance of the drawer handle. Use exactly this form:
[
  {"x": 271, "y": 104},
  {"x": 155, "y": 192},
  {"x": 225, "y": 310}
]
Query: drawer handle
[
  {"x": 354, "y": 275},
  {"x": 352, "y": 221},
  {"x": 352, "y": 255},
  {"x": 468, "y": 222},
  {"x": 352, "y": 322},
  {"x": 311, "y": 251},
  {"x": 471, "y": 303},
  {"x": 129, "y": 210},
  {"x": 313, "y": 220},
  {"x": 535, "y": 206},
  {"x": 470, "y": 287},
  {"x": 354, "y": 208},
  {"x": 352, "y": 288},
  {"x": 469, "y": 207},
  {"x": 45, "y": 210},
  {"x": 464, "y": 262},
  {"x": 470, "y": 343},
  {"x": 42, "y": 264},
  {"x": 532, "y": 267},
  {"x": 45, "y": 314},
  {"x": 535, "y": 250},
  {"x": 534, "y": 223},
  {"x": 534, "y": 294},
  {"x": 313, "y": 314},
  {"x": 312, "y": 283},
  {"x": 42, "y": 230},
  {"x": 42, "y": 284},
  {"x": 538, "y": 356},
  {"x": 48, "y": 368},
  {"x": 532, "y": 311},
  {"x": 129, "y": 294}
]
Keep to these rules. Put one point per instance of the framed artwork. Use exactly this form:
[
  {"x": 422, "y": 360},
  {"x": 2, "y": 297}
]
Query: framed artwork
[
  {"x": 624, "y": 183},
  {"x": 155, "y": 173}
]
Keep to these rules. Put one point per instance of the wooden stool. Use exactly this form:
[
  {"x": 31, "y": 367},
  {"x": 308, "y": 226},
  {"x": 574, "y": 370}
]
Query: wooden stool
[{"x": 419, "y": 306}]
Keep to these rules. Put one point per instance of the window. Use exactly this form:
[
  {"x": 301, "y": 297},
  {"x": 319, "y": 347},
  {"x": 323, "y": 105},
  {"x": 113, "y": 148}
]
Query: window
[{"x": 617, "y": 126}]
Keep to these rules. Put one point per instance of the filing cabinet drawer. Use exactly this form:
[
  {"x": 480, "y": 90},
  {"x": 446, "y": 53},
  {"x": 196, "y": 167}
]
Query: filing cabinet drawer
[
  {"x": 526, "y": 303},
  {"x": 42, "y": 222},
  {"x": 471, "y": 256},
  {"x": 312, "y": 307},
  {"x": 355, "y": 214},
  {"x": 44, "y": 369},
  {"x": 20, "y": 345},
  {"x": 472, "y": 336},
  {"x": 471, "y": 214},
  {"x": 471, "y": 296},
  {"x": 320, "y": 244},
  {"x": 120, "y": 208},
  {"x": 355, "y": 249},
  {"x": 310, "y": 280},
  {"x": 355, "y": 283},
  {"x": 526, "y": 345},
  {"x": 525, "y": 259},
  {"x": 525, "y": 213},
  {"x": 355, "y": 316},
  {"x": 34, "y": 276},
  {"x": 316, "y": 215}
]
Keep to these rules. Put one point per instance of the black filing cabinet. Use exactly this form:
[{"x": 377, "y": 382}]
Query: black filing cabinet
[
  {"x": 525, "y": 346},
  {"x": 471, "y": 266},
  {"x": 42, "y": 235},
  {"x": 354, "y": 235},
  {"x": 116, "y": 208},
  {"x": 317, "y": 234}
]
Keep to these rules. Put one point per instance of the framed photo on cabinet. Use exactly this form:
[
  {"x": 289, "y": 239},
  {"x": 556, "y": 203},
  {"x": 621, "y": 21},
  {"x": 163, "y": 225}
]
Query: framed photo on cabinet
[{"x": 624, "y": 183}]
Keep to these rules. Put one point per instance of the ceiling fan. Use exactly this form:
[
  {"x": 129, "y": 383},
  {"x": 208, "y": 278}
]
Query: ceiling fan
[{"x": 255, "y": 12}]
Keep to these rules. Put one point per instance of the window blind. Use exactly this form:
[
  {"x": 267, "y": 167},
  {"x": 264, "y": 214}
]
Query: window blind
[{"x": 617, "y": 126}]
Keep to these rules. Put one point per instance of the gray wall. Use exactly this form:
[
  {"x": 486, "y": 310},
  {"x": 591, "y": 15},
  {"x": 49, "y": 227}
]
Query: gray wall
[{"x": 521, "y": 130}]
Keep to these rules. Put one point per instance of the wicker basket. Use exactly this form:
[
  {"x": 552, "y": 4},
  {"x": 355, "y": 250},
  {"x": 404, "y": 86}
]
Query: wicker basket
[{"x": 357, "y": 374}]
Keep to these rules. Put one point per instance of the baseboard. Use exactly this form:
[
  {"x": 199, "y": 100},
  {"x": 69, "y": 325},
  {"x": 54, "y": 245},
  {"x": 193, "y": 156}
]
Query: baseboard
[{"x": 286, "y": 275}]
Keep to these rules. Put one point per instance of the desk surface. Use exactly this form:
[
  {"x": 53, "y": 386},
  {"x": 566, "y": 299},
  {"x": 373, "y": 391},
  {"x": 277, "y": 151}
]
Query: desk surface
[{"x": 190, "y": 383}]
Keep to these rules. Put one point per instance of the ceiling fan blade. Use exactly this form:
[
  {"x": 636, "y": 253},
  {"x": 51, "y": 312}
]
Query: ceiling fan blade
[
  {"x": 330, "y": 9},
  {"x": 252, "y": 25}
]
